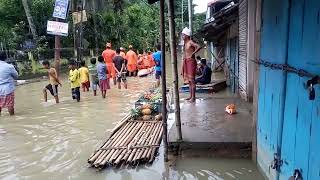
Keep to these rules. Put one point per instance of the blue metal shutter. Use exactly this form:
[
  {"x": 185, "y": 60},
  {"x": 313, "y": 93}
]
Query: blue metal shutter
[{"x": 243, "y": 36}]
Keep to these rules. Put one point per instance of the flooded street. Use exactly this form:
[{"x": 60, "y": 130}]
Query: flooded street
[{"x": 49, "y": 141}]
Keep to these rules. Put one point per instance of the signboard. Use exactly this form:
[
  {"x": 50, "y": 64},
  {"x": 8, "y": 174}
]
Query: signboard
[
  {"x": 28, "y": 44},
  {"x": 57, "y": 28},
  {"x": 76, "y": 17},
  {"x": 61, "y": 9}
]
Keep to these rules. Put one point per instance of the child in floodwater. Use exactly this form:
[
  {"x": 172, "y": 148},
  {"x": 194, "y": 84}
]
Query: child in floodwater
[
  {"x": 93, "y": 75},
  {"x": 74, "y": 78},
  {"x": 103, "y": 76},
  {"x": 52, "y": 87},
  {"x": 84, "y": 76}
]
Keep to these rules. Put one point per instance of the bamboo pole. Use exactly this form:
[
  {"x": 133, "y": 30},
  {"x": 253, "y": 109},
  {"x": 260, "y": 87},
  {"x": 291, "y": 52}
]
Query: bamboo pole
[
  {"x": 127, "y": 151},
  {"x": 133, "y": 143},
  {"x": 125, "y": 119},
  {"x": 154, "y": 149},
  {"x": 132, "y": 147},
  {"x": 148, "y": 142},
  {"x": 111, "y": 139},
  {"x": 115, "y": 143},
  {"x": 163, "y": 78},
  {"x": 173, "y": 48},
  {"x": 118, "y": 152},
  {"x": 144, "y": 121},
  {"x": 152, "y": 141},
  {"x": 128, "y": 142},
  {"x": 121, "y": 143},
  {"x": 141, "y": 150},
  {"x": 134, "y": 153}
]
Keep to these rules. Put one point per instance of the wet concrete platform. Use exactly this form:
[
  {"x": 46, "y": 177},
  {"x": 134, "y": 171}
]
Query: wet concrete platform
[{"x": 208, "y": 129}]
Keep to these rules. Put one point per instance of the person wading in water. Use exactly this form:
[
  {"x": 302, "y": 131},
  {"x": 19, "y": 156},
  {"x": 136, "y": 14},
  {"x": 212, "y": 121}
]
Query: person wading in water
[
  {"x": 132, "y": 60},
  {"x": 189, "y": 66},
  {"x": 8, "y": 75},
  {"x": 52, "y": 87},
  {"x": 108, "y": 56},
  {"x": 119, "y": 64}
]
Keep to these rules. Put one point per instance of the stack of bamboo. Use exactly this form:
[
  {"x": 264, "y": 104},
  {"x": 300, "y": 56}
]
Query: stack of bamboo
[{"x": 135, "y": 142}]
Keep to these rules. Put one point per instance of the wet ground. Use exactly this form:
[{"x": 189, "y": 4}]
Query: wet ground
[
  {"x": 49, "y": 141},
  {"x": 206, "y": 120}
]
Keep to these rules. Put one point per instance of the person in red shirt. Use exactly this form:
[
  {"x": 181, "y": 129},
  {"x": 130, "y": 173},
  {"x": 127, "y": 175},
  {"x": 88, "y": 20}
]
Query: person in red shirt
[
  {"x": 108, "y": 56},
  {"x": 132, "y": 59}
]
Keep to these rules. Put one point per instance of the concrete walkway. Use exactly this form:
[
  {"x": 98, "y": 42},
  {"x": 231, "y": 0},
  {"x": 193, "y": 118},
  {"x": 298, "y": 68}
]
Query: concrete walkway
[{"x": 206, "y": 125}]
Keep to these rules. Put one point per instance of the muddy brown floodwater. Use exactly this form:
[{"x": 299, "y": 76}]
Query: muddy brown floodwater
[{"x": 49, "y": 141}]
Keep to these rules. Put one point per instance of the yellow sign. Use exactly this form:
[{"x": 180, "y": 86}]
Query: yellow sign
[{"x": 76, "y": 17}]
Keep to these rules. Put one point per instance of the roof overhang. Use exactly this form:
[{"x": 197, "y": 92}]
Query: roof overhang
[{"x": 215, "y": 29}]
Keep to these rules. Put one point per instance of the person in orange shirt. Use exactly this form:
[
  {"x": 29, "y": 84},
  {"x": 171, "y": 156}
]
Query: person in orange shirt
[
  {"x": 108, "y": 56},
  {"x": 132, "y": 59},
  {"x": 150, "y": 59},
  {"x": 140, "y": 64},
  {"x": 145, "y": 60}
]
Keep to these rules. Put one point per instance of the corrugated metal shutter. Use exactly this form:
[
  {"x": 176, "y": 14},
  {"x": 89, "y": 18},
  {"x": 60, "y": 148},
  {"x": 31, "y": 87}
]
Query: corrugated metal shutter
[{"x": 243, "y": 36}]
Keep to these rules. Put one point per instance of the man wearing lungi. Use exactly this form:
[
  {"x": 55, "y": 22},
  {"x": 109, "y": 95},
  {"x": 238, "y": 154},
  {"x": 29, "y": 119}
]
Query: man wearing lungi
[
  {"x": 189, "y": 66},
  {"x": 8, "y": 75}
]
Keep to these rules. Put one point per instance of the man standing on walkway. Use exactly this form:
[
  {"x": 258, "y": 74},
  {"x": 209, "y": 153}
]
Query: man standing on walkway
[
  {"x": 119, "y": 64},
  {"x": 132, "y": 59},
  {"x": 157, "y": 59},
  {"x": 52, "y": 87},
  {"x": 8, "y": 75},
  {"x": 108, "y": 55},
  {"x": 189, "y": 66}
]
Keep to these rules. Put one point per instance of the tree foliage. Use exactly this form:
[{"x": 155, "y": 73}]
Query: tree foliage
[{"x": 123, "y": 22}]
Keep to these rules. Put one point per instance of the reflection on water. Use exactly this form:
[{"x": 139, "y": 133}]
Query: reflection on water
[{"x": 53, "y": 141}]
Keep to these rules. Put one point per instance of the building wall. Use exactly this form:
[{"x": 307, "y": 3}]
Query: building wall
[
  {"x": 231, "y": 51},
  {"x": 288, "y": 122},
  {"x": 250, "y": 47}
]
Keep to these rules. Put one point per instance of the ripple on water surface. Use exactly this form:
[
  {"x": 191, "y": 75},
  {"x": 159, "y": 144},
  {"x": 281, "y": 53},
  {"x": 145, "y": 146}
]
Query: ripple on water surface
[{"x": 53, "y": 141}]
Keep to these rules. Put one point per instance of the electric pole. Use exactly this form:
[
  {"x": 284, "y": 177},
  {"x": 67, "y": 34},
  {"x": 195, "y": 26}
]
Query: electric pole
[{"x": 190, "y": 15}]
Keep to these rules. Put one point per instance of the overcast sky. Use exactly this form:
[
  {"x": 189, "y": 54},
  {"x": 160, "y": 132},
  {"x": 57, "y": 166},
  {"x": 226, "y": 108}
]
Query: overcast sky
[{"x": 202, "y": 5}]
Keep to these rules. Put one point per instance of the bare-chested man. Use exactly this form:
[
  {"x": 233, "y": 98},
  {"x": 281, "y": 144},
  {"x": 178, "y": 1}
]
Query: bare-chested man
[
  {"x": 189, "y": 66},
  {"x": 52, "y": 87}
]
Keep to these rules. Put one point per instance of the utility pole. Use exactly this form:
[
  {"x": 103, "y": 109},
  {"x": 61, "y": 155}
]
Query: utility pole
[
  {"x": 80, "y": 48},
  {"x": 163, "y": 79},
  {"x": 95, "y": 28},
  {"x": 190, "y": 15},
  {"x": 57, "y": 49},
  {"x": 173, "y": 47},
  {"x": 182, "y": 13},
  {"x": 74, "y": 5}
]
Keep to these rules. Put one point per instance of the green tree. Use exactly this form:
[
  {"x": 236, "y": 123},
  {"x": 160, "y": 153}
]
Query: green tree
[{"x": 29, "y": 18}]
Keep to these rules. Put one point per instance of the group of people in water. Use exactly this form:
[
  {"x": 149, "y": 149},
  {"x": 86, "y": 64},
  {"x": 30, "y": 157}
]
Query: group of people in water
[{"x": 111, "y": 64}]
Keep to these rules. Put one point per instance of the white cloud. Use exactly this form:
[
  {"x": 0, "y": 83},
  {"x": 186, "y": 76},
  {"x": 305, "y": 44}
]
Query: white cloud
[{"x": 201, "y": 5}]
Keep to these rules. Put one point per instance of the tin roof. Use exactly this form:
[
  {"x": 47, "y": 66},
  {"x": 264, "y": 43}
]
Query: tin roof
[
  {"x": 216, "y": 1},
  {"x": 213, "y": 30}
]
